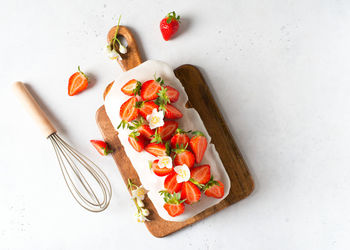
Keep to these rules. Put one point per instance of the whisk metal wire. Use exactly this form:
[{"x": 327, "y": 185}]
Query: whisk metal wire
[{"x": 67, "y": 155}]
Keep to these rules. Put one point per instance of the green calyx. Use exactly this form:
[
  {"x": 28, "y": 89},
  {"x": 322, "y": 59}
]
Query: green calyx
[
  {"x": 135, "y": 134},
  {"x": 136, "y": 124},
  {"x": 168, "y": 148},
  {"x": 197, "y": 133},
  {"x": 123, "y": 124},
  {"x": 156, "y": 138},
  {"x": 158, "y": 79},
  {"x": 180, "y": 148},
  {"x": 162, "y": 99},
  {"x": 169, "y": 198},
  {"x": 181, "y": 131},
  {"x": 137, "y": 89},
  {"x": 199, "y": 185},
  {"x": 210, "y": 183},
  {"x": 81, "y": 72},
  {"x": 107, "y": 151},
  {"x": 172, "y": 17}
]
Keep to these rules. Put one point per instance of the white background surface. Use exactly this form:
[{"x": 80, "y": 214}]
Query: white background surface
[{"x": 279, "y": 70}]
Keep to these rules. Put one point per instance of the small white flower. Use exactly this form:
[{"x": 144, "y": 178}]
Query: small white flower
[
  {"x": 145, "y": 212},
  {"x": 165, "y": 162},
  {"x": 156, "y": 119},
  {"x": 140, "y": 203},
  {"x": 183, "y": 173},
  {"x": 139, "y": 193},
  {"x": 112, "y": 54},
  {"x": 122, "y": 49}
]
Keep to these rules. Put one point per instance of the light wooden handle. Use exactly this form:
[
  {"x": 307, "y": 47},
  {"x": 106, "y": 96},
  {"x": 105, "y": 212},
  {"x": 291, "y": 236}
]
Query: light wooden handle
[{"x": 34, "y": 109}]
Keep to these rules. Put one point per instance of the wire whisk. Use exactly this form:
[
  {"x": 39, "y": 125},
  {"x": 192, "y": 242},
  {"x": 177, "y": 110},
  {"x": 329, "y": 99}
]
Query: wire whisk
[{"x": 87, "y": 183}]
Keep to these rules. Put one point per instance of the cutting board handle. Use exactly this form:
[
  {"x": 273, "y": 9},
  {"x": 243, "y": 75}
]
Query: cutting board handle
[
  {"x": 132, "y": 58},
  {"x": 34, "y": 109}
]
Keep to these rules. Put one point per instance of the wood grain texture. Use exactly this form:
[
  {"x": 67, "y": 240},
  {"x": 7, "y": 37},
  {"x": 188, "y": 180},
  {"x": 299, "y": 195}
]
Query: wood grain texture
[{"x": 201, "y": 99}]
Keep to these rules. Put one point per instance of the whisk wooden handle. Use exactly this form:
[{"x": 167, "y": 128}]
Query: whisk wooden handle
[{"x": 34, "y": 109}]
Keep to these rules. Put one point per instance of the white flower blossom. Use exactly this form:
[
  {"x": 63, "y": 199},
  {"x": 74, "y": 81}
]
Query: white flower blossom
[
  {"x": 183, "y": 173},
  {"x": 145, "y": 212},
  {"x": 122, "y": 49},
  {"x": 156, "y": 119},
  {"x": 140, "y": 203},
  {"x": 112, "y": 54},
  {"x": 165, "y": 162},
  {"x": 139, "y": 193}
]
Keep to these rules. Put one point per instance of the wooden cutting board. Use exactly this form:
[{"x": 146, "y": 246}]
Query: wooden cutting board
[{"x": 201, "y": 99}]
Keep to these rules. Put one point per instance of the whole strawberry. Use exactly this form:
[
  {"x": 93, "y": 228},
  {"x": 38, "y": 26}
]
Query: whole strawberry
[{"x": 169, "y": 25}]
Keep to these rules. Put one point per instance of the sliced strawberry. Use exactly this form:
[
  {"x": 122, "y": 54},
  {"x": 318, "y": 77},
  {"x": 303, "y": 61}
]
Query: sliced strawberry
[
  {"x": 201, "y": 174},
  {"x": 180, "y": 139},
  {"x": 167, "y": 130},
  {"x": 101, "y": 147},
  {"x": 77, "y": 82},
  {"x": 172, "y": 93},
  {"x": 132, "y": 87},
  {"x": 128, "y": 111},
  {"x": 170, "y": 183},
  {"x": 156, "y": 149},
  {"x": 146, "y": 108},
  {"x": 171, "y": 112},
  {"x": 214, "y": 189},
  {"x": 173, "y": 203},
  {"x": 190, "y": 192},
  {"x": 137, "y": 141},
  {"x": 146, "y": 131},
  {"x": 183, "y": 156},
  {"x": 150, "y": 89},
  {"x": 160, "y": 171},
  {"x": 198, "y": 144}
]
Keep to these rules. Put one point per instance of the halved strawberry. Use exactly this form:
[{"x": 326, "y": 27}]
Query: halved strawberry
[
  {"x": 190, "y": 192},
  {"x": 180, "y": 139},
  {"x": 137, "y": 141},
  {"x": 198, "y": 144},
  {"x": 146, "y": 108},
  {"x": 101, "y": 147},
  {"x": 171, "y": 112},
  {"x": 170, "y": 183},
  {"x": 132, "y": 87},
  {"x": 160, "y": 171},
  {"x": 167, "y": 130},
  {"x": 156, "y": 149},
  {"x": 77, "y": 82},
  {"x": 183, "y": 156},
  {"x": 128, "y": 111},
  {"x": 214, "y": 189},
  {"x": 146, "y": 131},
  {"x": 150, "y": 89},
  {"x": 200, "y": 174},
  {"x": 172, "y": 93},
  {"x": 173, "y": 203}
]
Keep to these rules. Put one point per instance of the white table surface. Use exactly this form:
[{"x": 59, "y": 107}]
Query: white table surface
[{"x": 279, "y": 71}]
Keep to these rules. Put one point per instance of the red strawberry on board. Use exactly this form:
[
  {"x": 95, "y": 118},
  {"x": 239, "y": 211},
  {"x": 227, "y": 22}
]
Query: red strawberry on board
[
  {"x": 132, "y": 87},
  {"x": 146, "y": 131},
  {"x": 214, "y": 189},
  {"x": 190, "y": 192},
  {"x": 137, "y": 141},
  {"x": 200, "y": 174},
  {"x": 160, "y": 171},
  {"x": 198, "y": 144},
  {"x": 173, "y": 203},
  {"x": 170, "y": 183},
  {"x": 156, "y": 149},
  {"x": 180, "y": 139},
  {"x": 172, "y": 94},
  {"x": 101, "y": 147},
  {"x": 128, "y": 111},
  {"x": 172, "y": 113},
  {"x": 146, "y": 108},
  {"x": 150, "y": 89},
  {"x": 77, "y": 82},
  {"x": 183, "y": 156},
  {"x": 169, "y": 25},
  {"x": 167, "y": 130}
]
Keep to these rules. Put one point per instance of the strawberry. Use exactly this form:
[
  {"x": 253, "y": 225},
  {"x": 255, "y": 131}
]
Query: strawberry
[
  {"x": 170, "y": 183},
  {"x": 167, "y": 130},
  {"x": 172, "y": 93},
  {"x": 169, "y": 25},
  {"x": 180, "y": 139},
  {"x": 156, "y": 149},
  {"x": 198, "y": 144},
  {"x": 160, "y": 171},
  {"x": 200, "y": 174},
  {"x": 77, "y": 82},
  {"x": 141, "y": 127},
  {"x": 171, "y": 112},
  {"x": 132, "y": 87},
  {"x": 173, "y": 203},
  {"x": 214, "y": 189},
  {"x": 101, "y": 147},
  {"x": 146, "y": 108},
  {"x": 128, "y": 111},
  {"x": 183, "y": 156},
  {"x": 150, "y": 89},
  {"x": 190, "y": 192},
  {"x": 137, "y": 141}
]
